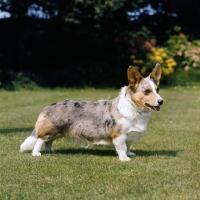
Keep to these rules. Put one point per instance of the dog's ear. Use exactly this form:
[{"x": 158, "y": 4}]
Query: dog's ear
[
  {"x": 134, "y": 77},
  {"x": 156, "y": 74}
]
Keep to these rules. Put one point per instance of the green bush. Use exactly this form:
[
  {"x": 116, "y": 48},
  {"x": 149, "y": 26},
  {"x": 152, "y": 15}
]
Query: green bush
[
  {"x": 105, "y": 62},
  {"x": 179, "y": 58},
  {"x": 186, "y": 53}
]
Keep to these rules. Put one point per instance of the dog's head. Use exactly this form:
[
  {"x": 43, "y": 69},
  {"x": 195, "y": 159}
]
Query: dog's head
[{"x": 144, "y": 91}]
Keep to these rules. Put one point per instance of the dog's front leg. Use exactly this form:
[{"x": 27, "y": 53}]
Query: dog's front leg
[
  {"x": 38, "y": 147},
  {"x": 121, "y": 147}
]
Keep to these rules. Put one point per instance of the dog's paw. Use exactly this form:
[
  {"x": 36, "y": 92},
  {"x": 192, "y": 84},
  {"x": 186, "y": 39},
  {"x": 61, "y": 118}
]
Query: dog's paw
[
  {"x": 129, "y": 153},
  {"x": 36, "y": 154},
  {"x": 48, "y": 151},
  {"x": 124, "y": 159}
]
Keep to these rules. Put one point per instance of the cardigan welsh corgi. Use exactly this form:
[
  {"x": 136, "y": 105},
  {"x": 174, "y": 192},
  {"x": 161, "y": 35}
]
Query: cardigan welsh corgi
[{"x": 118, "y": 122}]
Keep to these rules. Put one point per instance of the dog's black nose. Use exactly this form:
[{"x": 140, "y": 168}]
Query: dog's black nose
[{"x": 160, "y": 101}]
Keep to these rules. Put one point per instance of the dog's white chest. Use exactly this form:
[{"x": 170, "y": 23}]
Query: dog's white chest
[
  {"x": 139, "y": 124},
  {"x": 135, "y": 128},
  {"x": 136, "y": 124},
  {"x": 133, "y": 136},
  {"x": 133, "y": 120}
]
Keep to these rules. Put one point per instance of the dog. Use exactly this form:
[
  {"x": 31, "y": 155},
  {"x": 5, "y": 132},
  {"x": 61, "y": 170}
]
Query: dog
[{"x": 118, "y": 122}]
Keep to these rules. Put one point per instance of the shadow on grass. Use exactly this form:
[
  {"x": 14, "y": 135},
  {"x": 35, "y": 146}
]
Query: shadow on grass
[
  {"x": 15, "y": 130},
  {"x": 100, "y": 152},
  {"x": 111, "y": 152},
  {"x": 145, "y": 153}
]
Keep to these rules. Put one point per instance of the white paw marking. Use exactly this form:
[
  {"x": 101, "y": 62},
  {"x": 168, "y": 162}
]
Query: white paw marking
[
  {"x": 124, "y": 159},
  {"x": 36, "y": 154}
]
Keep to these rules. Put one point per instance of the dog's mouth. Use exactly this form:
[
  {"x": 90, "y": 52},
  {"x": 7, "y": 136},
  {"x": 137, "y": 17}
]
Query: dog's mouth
[{"x": 156, "y": 108}]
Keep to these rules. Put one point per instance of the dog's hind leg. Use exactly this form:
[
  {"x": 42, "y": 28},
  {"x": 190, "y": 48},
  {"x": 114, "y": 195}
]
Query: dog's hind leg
[
  {"x": 48, "y": 145},
  {"x": 121, "y": 147},
  {"x": 129, "y": 153}
]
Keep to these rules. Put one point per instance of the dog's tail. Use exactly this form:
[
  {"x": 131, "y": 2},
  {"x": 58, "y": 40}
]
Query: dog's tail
[{"x": 29, "y": 142}]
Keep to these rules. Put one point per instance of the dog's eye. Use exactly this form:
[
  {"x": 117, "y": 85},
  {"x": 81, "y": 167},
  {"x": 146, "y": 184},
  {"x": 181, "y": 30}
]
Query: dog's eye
[
  {"x": 146, "y": 92},
  {"x": 157, "y": 90}
]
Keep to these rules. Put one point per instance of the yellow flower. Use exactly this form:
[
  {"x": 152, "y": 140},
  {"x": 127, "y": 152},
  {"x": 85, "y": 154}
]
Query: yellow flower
[
  {"x": 152, "y": 57},
  {"x": 163, "y": 54},
  {"x": 160, "y": 61},
  {"x": 137, "y": 61},
  {"x": 140, "y": 61},
  {"x": 153, "y": 49},
  {"x": 169, "y": 65},
  {"x": 174, "y": 64},
  {"x": 159, "y": 58},
  {"x": 170, "y": 70},
  {"x": 160, "y": 50},
  {"x": 165, "y": 71},
  {"x": 169, "y": 60}
]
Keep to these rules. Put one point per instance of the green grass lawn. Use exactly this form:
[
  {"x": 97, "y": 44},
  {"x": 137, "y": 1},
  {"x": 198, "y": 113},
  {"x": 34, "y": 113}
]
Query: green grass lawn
[{"x": 167, "y": 165}]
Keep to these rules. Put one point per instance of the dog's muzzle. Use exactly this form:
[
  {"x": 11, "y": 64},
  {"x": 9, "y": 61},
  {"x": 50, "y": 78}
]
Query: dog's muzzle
[
  {"x": 155, "y": 108},
  {"x": 160, "y": 102}
]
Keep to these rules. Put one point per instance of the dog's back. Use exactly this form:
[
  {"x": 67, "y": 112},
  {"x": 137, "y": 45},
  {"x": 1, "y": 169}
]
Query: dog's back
[{"x": 89, "y": 121}]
